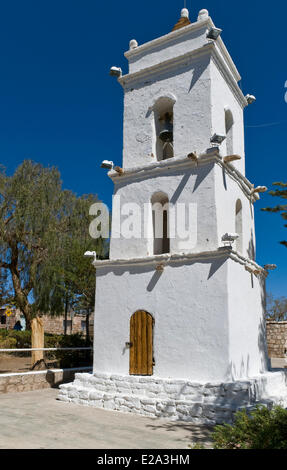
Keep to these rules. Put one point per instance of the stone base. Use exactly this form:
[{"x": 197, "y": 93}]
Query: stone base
[
  {"x": 211, "y": 403},
  {"x": 37, "y": 380}
]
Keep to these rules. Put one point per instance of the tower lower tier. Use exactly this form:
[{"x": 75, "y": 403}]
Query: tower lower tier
[{"x": 198, "y": 317}]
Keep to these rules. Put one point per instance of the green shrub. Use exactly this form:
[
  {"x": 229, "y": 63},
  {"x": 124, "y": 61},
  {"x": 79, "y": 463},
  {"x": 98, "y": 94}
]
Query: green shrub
[
  {"x": 8, "y": 343},
  {"x": 262, "y": 428},
  {"x": 23, "y": 338},
  {"x": 68, "y": 359},
  {"x": 3, "y": 334},
  {"x": 12, "y": 339}
]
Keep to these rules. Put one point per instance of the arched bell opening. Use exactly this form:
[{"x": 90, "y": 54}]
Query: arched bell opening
[
  {"x": 238, "y": 225},
  {"x": 163, "y": 121},
  {"x": 160, "y": 218},
  {"x": 229, "y": 122}
]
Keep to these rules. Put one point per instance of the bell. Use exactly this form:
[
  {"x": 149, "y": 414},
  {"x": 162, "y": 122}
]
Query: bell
[{"x": 166, "y": 135}]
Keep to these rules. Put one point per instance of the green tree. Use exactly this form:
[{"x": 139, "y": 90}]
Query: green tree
[
  {"x": 4, "y": 289},
  {"x": 70, "y": 276},
  {"x": 30, "y": 204},
  {"x": 280, "y": 192},
  {"x": 276, "y": 308},
  {"x": 40, "y": 227}
]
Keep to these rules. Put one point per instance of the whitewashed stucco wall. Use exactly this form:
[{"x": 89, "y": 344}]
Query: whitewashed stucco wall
[
  {"x": 190, "y": 185},
  {"x": 227, "y": 192},
  {"x": 172, "y": 45},
  {"x": 190, "y": 86},
  {"x": 190, "y": 336},
  {"x": 247, "y": 342},
  {"x": 222, "y": 97}
]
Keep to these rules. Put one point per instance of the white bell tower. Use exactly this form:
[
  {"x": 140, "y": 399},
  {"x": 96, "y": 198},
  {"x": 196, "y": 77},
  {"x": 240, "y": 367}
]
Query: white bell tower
[
  {"x": 179, "y": 317},
  {"x": 194, "y": 79}
]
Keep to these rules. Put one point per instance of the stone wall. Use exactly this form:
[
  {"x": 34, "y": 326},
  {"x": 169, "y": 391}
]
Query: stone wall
[
  {"x": 28, "y": 381},
  {"x": 52, "y": 324},
  {"x": 277, "y": 338},
  {"x": 55, "y": 325},
  {"x": 208, "y": 403}
]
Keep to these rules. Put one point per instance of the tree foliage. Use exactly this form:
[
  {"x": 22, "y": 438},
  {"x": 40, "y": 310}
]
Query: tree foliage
[
  {"x": 276, "y": 308},
  {"x": 281, "y": 192},
  {"x": 4, "y": 289},
  {"x": 43, "y": 236}
]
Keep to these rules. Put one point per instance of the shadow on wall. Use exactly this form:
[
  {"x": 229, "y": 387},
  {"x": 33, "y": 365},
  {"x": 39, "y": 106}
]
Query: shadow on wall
[
  {"x": 251, "y": 247},
  {"x": 181, "y": 186},
  {"x": 197, "y": 72},
  {"x": 200, "y": 177},
  {"x": 216, "y": 265},
  {"x": 154, "y": 280},
  {"x": 262, "y": 337},
  {"x": 224, "y": 178},
  {"x": 233, "y": 373},
  {"x": 197, "y": 68}
]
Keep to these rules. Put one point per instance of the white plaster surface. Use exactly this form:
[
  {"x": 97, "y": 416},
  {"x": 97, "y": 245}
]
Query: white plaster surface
[
  {"x": 200, "y": 75},
  {"x": 223, "y": 97},
  {"x": 209, "y": 403},
  {"x": 197, "y": 307}
]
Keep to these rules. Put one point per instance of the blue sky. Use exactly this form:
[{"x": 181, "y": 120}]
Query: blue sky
[{"x": 59, "y": 106}]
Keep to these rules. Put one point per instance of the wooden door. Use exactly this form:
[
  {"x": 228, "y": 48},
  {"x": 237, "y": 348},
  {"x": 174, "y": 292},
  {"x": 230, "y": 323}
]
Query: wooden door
[{"x": 141, "y": 344}]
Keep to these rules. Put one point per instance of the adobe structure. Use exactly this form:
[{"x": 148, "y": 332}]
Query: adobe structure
[{"x": 179, "y": 318}]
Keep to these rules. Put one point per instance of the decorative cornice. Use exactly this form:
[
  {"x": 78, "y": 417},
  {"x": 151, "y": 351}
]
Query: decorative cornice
[
  {"x": 210, "y": 48},
  {"x": 159, "y": 166},
  {"x": 229, "y": 78},
  {"x": 168, "y": 64},
  {"x": 211, "y": 156},
  {"x": 168, "y": 38},
  {"x": 168, "y": 259}
]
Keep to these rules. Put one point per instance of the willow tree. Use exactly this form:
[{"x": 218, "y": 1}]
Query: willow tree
[
  {"x": 41, "y": 228},
  {"x": 67, "y": 280},
  {"x": 30, "y": 204},
  {"x": 279, "y": 192},
  {"x": 4, "y": 288}
]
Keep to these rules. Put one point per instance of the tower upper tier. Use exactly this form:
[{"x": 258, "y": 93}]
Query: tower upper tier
[{"x": 181, "y": 89}]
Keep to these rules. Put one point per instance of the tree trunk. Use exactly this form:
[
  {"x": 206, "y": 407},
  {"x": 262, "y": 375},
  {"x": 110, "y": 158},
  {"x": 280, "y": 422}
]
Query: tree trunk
[
  {"x": 37, "y": 339},
  {"x": 66, "y": 317},
  {"x": 21, "y": 299},
  {"x": 88, "y": 327}
]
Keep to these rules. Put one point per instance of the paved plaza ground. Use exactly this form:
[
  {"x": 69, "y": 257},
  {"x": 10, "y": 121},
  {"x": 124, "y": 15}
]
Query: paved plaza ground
[{"x": 37, "y": 420}]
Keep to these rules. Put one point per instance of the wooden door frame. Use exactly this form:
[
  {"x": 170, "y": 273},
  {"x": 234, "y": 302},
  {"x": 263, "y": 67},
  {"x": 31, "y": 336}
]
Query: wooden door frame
[{"x": 142, "y": 364}]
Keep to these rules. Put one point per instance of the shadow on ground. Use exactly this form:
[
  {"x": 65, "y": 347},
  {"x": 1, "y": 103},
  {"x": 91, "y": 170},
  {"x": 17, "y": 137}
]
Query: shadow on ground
[{"x": 195, "y": 434}]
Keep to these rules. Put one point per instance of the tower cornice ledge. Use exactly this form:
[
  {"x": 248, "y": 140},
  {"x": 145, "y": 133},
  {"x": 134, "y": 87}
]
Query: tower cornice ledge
[
  {"x": 217, "y": 51},
  {"x": 169, "y": 259},
  {"x": 211, "y": 156},
  {"x": 169, "y": 38}
]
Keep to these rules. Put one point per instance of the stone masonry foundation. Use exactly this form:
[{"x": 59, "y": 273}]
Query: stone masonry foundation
[
  {"x": 277, "y": 338},
  {"x": 175, "y": 399},
  {"x": 27, "y": 381}
]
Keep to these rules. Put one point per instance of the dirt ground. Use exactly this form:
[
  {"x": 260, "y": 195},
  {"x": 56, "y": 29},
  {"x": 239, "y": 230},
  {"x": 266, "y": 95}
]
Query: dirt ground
[
  {"x": 37, "y": 420},
  {"x": 10, "y": 363}
]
